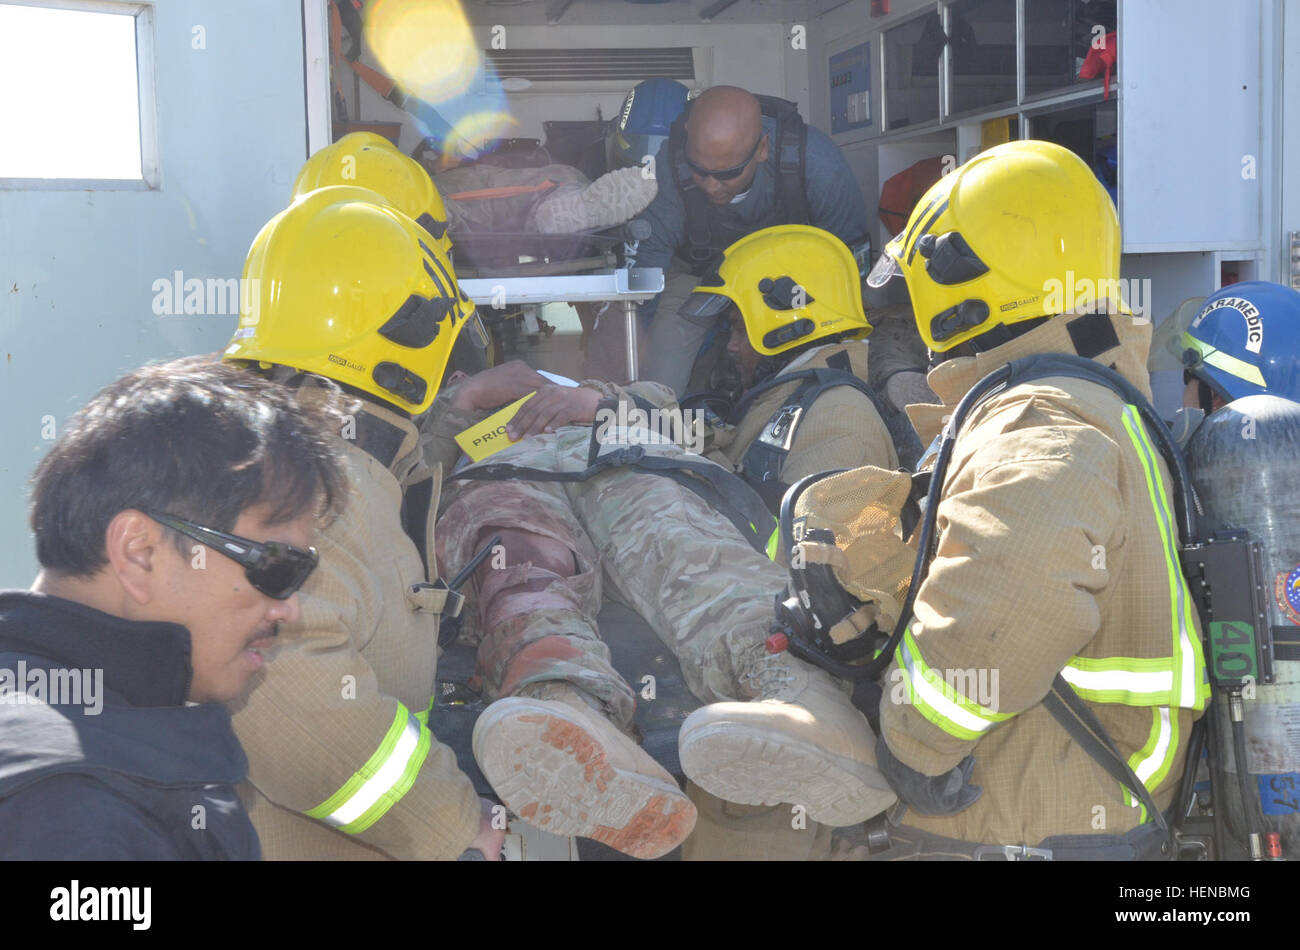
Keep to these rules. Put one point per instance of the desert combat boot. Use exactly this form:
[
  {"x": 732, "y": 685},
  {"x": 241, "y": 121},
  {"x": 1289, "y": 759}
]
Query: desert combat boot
[
  {"x": 799, "y": 740},
  {"x": 561, "y": 765}
]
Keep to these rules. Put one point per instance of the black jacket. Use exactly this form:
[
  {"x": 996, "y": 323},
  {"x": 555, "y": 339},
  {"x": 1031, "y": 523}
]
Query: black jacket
[{"x": 143, "y": 778}]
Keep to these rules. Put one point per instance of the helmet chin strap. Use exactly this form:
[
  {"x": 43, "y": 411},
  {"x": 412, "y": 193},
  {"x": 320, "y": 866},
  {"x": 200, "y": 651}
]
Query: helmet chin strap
[
  {"x": 1205, "y": 396},
  {"x": 769, "y": 366}
]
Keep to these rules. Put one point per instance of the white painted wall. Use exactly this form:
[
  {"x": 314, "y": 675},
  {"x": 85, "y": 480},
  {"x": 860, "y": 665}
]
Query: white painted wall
[{"x": 77, "y": 267}]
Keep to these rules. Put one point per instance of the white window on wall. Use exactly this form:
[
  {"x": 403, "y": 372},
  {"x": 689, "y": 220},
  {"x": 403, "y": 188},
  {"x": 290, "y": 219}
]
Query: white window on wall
[{"x": 76, "y": 95}]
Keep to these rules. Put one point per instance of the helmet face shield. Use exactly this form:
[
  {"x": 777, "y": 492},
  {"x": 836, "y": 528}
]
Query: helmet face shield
[
  {"x": 885, "y": 270},
  {"x": 476, "y": 332},
  {"x": 1167, "y": 346},
  {"x": 703, "y": 307}
]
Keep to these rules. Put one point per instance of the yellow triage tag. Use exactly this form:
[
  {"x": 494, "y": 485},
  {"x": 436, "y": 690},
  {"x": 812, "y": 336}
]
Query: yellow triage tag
[{"x": 489, "y": 436}]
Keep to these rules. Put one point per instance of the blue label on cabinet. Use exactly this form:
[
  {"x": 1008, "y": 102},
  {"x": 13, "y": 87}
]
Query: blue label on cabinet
[{"x": 850, "y": 85}]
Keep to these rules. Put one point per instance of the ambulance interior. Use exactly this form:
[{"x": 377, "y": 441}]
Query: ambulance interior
[{"x": 894, "y": 83}]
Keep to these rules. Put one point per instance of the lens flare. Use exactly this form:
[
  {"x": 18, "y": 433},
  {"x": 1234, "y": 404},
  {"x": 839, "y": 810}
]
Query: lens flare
[
  {"x": 472, "y": 133},
  {"x": 426, "y": 46}
]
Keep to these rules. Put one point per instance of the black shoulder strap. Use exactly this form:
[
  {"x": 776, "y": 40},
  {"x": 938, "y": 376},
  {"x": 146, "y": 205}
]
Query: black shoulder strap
[
  {"x": 1086, "y": 729},
  {"x": 791, "y": 151},
  {"x": 1069, "y": 365},
  {"x": 763, "y": 460}
]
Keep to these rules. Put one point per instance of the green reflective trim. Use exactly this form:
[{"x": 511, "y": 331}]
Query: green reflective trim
[
  {"x": 773, "y": 540},
  {"x": 423, "y": 716},
  {"x": 1120, "y": 664},
  {"x": 948, "y": 709},
  {"x": 938, "y": 719},
  {"x": 1141, "y": 755},
  {"x": 1167, "y": 760},
  {"x": 367, "y": 771},
  {"x": 1122, "y": 697},
  {"x": 400, "y": 788},
  {"x": 1185, "y": 644},
  {"x": 1127, "y": 674},
  {"x": 1224, "y": 361},
  {"x": 1141, "y": 759}
]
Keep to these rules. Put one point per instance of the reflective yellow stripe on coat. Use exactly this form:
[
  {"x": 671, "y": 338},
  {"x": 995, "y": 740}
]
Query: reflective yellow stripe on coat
[
  {"x": 385, "y": 778},
  {"x": 1175, "y": 680},
  {"x": 937, "y": 701}
]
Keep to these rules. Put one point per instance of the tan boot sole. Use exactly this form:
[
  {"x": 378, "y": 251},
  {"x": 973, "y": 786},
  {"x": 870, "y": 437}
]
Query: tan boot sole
[
  {"x": 554, "y": 773},
  {"x": 746, "y": 765}
]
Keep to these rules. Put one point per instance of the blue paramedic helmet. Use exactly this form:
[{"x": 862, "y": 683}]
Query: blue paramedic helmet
[
  {"x": 648, "y": 113},
  {"x": 1245, "y": 341}
]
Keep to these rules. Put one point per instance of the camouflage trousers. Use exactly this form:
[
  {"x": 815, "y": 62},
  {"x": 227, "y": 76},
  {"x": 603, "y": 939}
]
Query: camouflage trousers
[{"x": 654, "y": 544}]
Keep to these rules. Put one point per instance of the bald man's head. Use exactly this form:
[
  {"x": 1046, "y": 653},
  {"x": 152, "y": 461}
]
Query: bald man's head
[{"x": 724, "y": 132}]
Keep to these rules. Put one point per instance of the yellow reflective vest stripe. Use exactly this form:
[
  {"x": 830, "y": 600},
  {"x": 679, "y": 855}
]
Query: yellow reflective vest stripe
[
  {"x": 773, "y": 541},
  {"x": 937, "y": 700},
  {"x": 385, "y": 778},
  {"x": 1153, "y": 761},
  {"x": 1178, "y": 679}
]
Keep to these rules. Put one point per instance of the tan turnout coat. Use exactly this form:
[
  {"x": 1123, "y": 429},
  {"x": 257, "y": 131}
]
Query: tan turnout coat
[{"x": 1055, "y": 547}]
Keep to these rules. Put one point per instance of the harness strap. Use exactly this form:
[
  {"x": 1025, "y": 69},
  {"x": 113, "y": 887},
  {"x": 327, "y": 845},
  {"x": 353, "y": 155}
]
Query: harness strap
[
  {"x": 1084, "y": 728},
  {"x": 723, "y": 491},
  {"x": 765, "y": 457}
]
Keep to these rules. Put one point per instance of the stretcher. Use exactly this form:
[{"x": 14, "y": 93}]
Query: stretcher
[
  {"x": 628, "y": 286},
  {"x": 530, "y": 254}
]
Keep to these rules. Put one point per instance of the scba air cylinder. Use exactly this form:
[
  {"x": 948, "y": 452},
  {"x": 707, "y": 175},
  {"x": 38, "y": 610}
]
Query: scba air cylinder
[{"x": 1244, "y": 461}]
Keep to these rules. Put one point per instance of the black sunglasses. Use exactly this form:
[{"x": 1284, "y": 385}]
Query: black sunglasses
[
  {"x": 727, "y": 174},
  {"x": 272, "y": 567}
]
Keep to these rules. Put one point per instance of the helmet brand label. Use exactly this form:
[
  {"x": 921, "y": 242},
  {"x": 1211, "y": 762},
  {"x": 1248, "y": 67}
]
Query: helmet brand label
[
  {"x": 1015, "y": 304},
  {"x": 343, "y": 361}
]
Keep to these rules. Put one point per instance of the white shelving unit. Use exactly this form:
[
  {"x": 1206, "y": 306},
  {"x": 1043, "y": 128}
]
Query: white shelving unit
[{"x": 1199, "y": 128}]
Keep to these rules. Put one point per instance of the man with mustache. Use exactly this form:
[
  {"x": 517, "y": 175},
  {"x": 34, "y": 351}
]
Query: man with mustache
[{"x": 174, "y": 521}]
